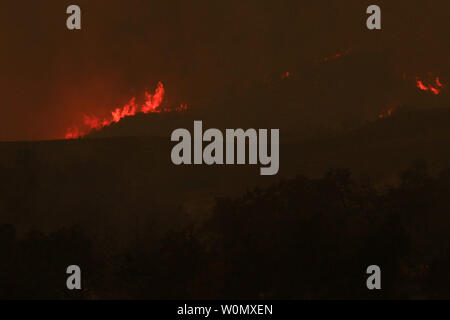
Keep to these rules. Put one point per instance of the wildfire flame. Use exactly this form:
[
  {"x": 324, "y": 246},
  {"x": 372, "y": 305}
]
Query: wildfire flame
[
  {"x": 386, "y": 113},
  {"x": 151, "y": 105},
  {"x": 337, "y": 55},
  {"x": 433, "y": 85},
  {"x": 286, "y": 75},
  {"x": 433, "y": 88},
  {"x": 153, "y": 101}
]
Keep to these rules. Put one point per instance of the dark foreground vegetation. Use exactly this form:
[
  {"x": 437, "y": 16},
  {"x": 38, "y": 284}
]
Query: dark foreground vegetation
[{"x": 299, "y": 239}]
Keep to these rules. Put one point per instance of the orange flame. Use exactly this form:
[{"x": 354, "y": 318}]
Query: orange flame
[
  {"x": 337, "y": 55},
  {"x": 153, "y": 101},
  {"x": 433, "y": 89},
  {"x": 151, "y": 105},
  {"x": 386, "y": 113},
  {"x": 286, "y": 75},
  {"x": 73, "y": 133}
]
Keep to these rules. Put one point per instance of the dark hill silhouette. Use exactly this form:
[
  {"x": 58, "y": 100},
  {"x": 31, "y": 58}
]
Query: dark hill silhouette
[
  {"x": 379, "y": 149},
  {"x": 138, "y": 217},
  {"x": 51, "y": 183},
  {"x": 298, "y": 239}
]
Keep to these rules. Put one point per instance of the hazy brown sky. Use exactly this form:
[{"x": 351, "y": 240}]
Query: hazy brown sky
[{"x": 200, "y": 50}]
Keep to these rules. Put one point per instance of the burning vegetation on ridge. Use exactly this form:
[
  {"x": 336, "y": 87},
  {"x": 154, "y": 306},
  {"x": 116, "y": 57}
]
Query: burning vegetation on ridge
[{"x": 152, "y": 104}]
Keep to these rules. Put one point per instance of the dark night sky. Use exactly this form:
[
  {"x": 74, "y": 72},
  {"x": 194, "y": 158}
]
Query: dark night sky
[{"x": 199, "y": 50}]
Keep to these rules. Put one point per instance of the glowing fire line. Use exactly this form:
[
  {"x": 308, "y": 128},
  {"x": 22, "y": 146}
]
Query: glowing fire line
[
  {"x": 433, "y": 89},
  {"x": 151, "y": 105}
]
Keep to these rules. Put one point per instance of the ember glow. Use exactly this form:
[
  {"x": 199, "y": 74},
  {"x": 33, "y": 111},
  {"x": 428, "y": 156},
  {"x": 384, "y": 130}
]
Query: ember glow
[
  {"x": 337, "y": 55},
  {"x": 386, "y": 113},
  {"x": 286, "y": 75},
  {"x": 151, "y": 105},
  {"x": 434, "y": 86}
]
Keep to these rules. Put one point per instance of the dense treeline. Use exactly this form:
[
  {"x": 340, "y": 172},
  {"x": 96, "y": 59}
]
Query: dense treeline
[{"x": 301, "y": 238}]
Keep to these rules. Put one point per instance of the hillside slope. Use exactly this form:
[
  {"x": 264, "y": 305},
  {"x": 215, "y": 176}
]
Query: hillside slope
[{"x": 129, "y": 181}]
